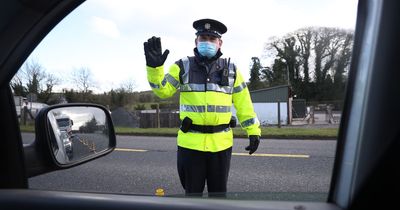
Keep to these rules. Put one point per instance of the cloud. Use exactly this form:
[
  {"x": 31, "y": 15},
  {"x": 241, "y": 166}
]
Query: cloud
[
  {"x": 127, "y": 24},
  {"x": 128, "y": 10},
  {"x": 105, "y": 27}
]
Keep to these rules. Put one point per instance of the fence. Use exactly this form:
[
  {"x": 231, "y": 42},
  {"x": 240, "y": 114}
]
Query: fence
[
  {"x": 316, "y": 112},
  {"x": 321, "y": 105},
  {"x": 167, "y": 120}
]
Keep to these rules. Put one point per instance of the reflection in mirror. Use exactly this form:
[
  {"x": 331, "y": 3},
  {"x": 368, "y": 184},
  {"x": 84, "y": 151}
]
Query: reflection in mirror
[{"x": 78, "y": 132}]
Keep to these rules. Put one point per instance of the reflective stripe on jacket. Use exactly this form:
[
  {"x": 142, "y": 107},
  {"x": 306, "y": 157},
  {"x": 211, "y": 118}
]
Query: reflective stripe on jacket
[{"x": 206, "y": 97}]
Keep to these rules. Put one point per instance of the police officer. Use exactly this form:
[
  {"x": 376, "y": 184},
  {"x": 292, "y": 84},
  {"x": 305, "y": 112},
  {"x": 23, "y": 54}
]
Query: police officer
[{"x": 208, "y": 85}]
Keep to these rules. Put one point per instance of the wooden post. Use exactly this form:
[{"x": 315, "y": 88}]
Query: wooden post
[
  {"x": 289, "y": 110},
  {"x": 312, "y": 114},
  {"x": 279, "y": 114},
  {"x": 158, "y": 115},
  {"x": 24, "y": 114}
]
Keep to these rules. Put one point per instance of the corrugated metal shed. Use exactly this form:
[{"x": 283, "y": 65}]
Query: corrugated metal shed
[{"x": 271, "y": 95}]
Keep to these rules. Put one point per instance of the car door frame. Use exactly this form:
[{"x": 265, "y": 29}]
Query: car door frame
[
  {"x": 374, "y": 23},
  {"x": 366, "y": 166},
  {"x": 27, "y": 23}
]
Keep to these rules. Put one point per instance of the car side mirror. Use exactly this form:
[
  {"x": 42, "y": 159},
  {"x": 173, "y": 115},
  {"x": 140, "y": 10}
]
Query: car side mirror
[{"x": 69, "y": 135}]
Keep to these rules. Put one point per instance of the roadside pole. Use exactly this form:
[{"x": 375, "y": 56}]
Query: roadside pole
[{"x": 279, "y": 114}]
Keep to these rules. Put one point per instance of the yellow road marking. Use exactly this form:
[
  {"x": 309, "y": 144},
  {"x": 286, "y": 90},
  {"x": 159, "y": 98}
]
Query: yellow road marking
[
  {"x": 235, "y": 154},
  {"x": 130, "y": 150},
  {"x": 271, "y": 155}
]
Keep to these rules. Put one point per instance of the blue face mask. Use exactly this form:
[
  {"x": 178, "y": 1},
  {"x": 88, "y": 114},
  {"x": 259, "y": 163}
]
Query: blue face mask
[{"x": 207, "y": 49}]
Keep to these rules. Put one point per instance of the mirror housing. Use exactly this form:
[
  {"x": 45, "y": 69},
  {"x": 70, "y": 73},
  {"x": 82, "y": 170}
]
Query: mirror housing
[{"x": 61, "y": 144}]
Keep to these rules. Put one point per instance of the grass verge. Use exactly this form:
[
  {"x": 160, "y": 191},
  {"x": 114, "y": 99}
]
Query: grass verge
[
  {"x": 27, "y": 128},
  {"x": 269, "y": 132}
]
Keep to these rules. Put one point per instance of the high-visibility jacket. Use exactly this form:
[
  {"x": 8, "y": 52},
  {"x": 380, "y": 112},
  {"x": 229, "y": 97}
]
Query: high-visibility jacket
[{"x": 207, "y": 90}]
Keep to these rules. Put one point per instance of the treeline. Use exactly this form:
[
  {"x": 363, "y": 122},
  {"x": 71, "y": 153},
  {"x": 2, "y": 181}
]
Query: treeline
[
  {"x": 131, "y": 100},
  {"x": 34, "y": 82},
  {"x": 313, "y": 60}
]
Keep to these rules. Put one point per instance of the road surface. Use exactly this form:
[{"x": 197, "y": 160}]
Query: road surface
[{"x": 140, "y": 165}]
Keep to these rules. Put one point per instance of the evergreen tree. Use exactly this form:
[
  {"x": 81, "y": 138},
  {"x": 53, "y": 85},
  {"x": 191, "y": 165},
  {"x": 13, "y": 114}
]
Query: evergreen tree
[
  {"x": 255, "y": 82},
  {"x": 280, "y": 73},
  {"x": 316, "y": 60}
]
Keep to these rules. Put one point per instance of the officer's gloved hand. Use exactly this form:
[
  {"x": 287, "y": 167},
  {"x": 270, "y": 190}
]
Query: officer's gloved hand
[
  {"x": 254, "y": 142},
  {"x": 152, "y": 51}
]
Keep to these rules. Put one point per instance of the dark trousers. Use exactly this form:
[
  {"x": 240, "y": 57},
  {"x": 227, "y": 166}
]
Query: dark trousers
[{"x": 196, "y": 167}]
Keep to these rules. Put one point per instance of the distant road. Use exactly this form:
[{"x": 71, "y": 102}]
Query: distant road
[{"x": 140, "y": 165}]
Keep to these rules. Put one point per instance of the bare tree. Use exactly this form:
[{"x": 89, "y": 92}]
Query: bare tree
[
  {"x": 17, "y": 85},
  {"x": 34, "y": 74},
  {"x": 128, "y": 85},
  {"x": 288, "y": 51},
  {"x": 342, "y": 64},
  {"x": 33, "y": 79},
  {"x": 304, "y": 36},
  {"x": 50, "y": 81},
  {"x": 315, "y": 58},
  {"x": 82, "y": 78},
  {"x": 327, "y": 43}
]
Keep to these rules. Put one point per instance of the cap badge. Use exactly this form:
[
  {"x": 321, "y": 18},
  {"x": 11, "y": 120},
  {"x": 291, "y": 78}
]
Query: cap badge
[{"x": 207, "y": 26}]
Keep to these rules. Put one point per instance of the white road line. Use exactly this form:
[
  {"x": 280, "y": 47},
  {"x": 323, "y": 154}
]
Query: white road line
[
  {"x": 272, "y": 155},
  {"x": 130, "y": 150},
  {"x": 235, "y": 154}
]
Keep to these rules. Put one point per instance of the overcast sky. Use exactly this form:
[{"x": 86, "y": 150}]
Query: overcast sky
[{"x": 107, "y": 36}]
